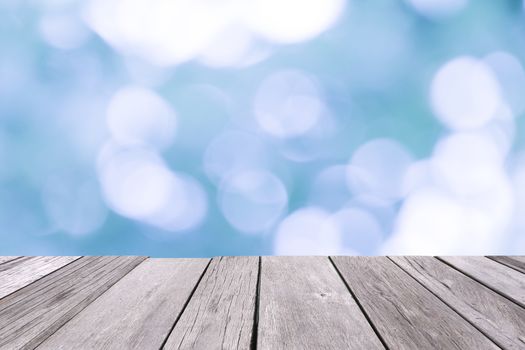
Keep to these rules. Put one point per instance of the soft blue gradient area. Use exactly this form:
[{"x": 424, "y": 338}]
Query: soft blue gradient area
[{"x": 340, "y": 141}]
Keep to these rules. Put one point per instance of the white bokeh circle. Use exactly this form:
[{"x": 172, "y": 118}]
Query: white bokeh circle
[
  {"x": 465, "y": 93},
  {"x": 308, "y": 231},
  {"x": 252, "y": 201},
  {"x": 288, "y": 104},
  {"x": 139, "y": 115}
]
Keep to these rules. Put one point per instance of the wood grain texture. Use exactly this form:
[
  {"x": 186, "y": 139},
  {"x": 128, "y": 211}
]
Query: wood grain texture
[
  {"x": 31, "y": 314},
  {"x": 220, "y": 314},
  {"x": 280, "y": 303},
  {"x": 515, "y": 262},
  {"x": 304, "y": 304},
  {"x": 16, "y": 274},
  {"x": 4, "y": 259},
  {"x": 406, "y": 314},
  {"x": 138, "y": 312},
  {"x": 497, "y": 317},
  {"x": 494, "y": 275}
]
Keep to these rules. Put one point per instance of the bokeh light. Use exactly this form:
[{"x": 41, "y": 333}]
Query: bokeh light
[
  {"x": 159, "y": 31},
  {"x": 511, "y": 76},
  {"x": 287, "y": 104},
  {"x": 233, "y": 151},
  {"x": 329, "y": 189},
  {"x": 291, "y": 20},
  {"x": 63, "y": 31},
  {"x": 262, "y": 127},
  {"x": 465, "y": 93},
  {"x": 137, "y": 184},
  {"x": 360, "y": 231},
  {"x": 308, "y": 231},
  {"x": 468, "y": 163},
  {"x": 377, "y": 168},
  {"x": 252, "y": 201},
  {"x": 139, "y": 116}
]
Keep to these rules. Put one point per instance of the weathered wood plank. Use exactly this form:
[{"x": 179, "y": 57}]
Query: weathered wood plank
[
  {"x": 494, "y": 275},
  {"x": 31, "y": 314},
  {"x": 304, "y": 304},
  {"x": 18, "y": 273},
  {"x": 515, "y": 262},
  {"x": 4, "y": 259},
  {"x": 220, "y": 314},
  {"x": 138, "y": 312},
  {"x": 406, "y": 314},
  {"x": 11, "y": 263},
  {"x": 497, "y": 317}
]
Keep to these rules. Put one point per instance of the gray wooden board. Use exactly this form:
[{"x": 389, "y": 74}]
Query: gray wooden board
[
  {"x": 138, "y": 312},
  {"x": 406, "y": 314},
  {"x": 18, "y": 273},
  {"x": 497, "y": 317},
  {"x": 304, "y": 304},
  {"x": 220, "y": 314},
  {"x": 9, "y": 263},
  {"x": 31, "y": 314},
  {"x": 515, "y": 262},
  {"x": 4, "y": 259},
  {"x": 496, "y": 276}
]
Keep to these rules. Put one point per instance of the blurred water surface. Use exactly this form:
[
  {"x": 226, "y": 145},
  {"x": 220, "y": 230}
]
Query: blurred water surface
[{"x": 275, "y": 127}]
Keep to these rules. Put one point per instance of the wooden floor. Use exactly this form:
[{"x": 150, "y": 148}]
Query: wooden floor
[{"x": 265, "y": 303}]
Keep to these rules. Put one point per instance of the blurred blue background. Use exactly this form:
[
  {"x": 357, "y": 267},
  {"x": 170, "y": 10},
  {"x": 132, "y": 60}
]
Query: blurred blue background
[{"x": 274, "y": 127}]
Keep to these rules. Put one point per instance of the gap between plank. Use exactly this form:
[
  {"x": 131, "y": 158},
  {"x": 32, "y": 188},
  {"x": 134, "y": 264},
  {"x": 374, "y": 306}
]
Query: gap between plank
[
  {"x": 185, "y": 304},
  {"x": 38, "y": 279},
  {"x": 504, "y": 264},
  {"x": 9, "y": 261},
  {"x": 48, "y": 283},
  {"x": 82, "y": 309},
  {"x": 376, "y": 331},
  {"x": 255, "y": 330},
  {"x": 479, "y": 281},
  {"x": 449, "y": 306}
]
